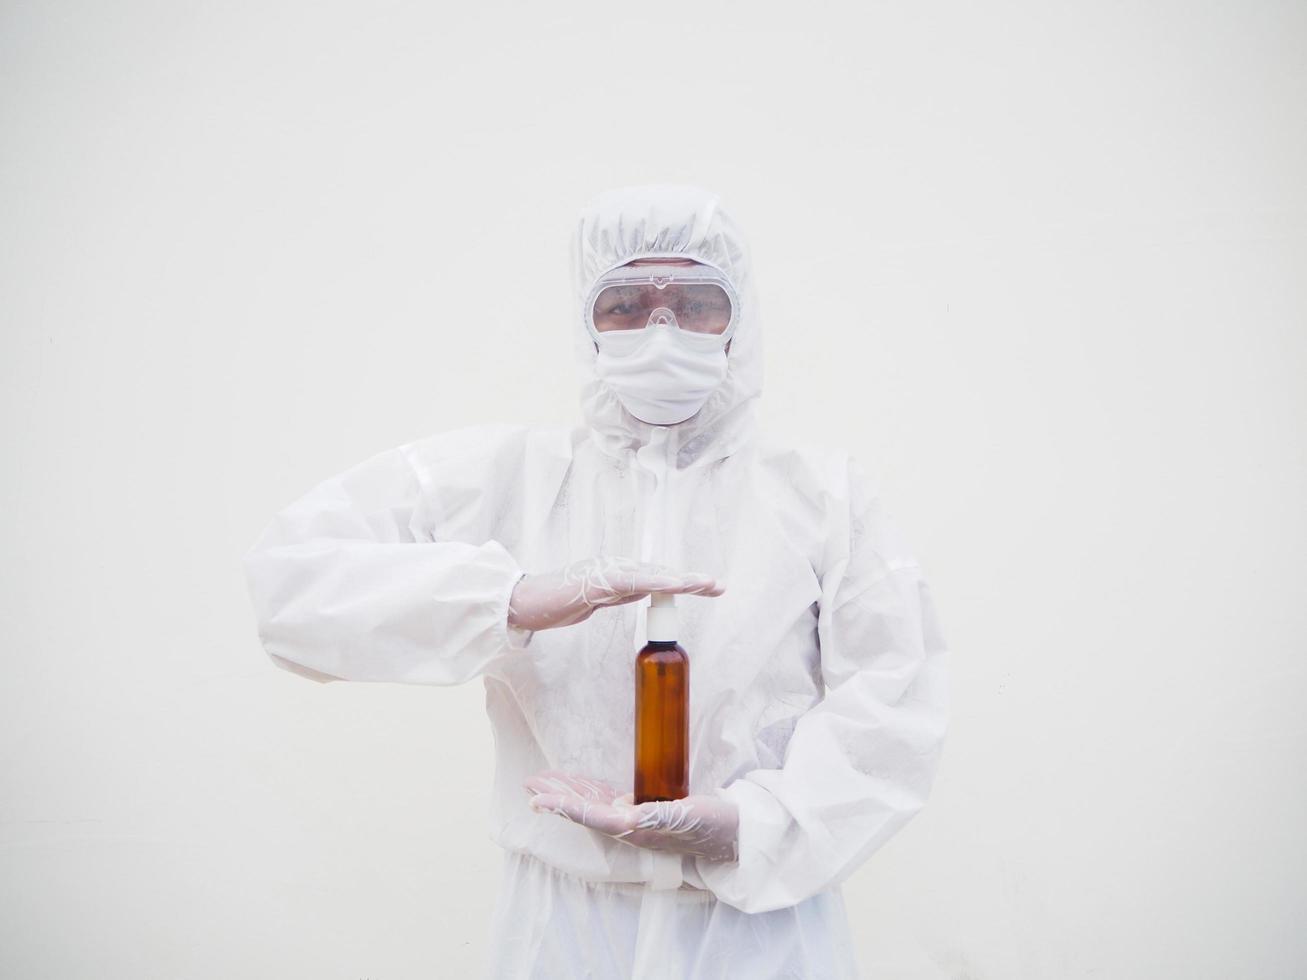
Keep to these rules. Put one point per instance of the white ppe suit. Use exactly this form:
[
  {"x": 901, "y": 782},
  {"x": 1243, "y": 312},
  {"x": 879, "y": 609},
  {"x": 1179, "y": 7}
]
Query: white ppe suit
[{"x": 818, "y": 679}]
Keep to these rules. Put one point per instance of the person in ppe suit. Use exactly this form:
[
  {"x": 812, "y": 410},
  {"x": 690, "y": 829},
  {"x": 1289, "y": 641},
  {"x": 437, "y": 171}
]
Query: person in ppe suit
[{"x": 525, "y": 556}]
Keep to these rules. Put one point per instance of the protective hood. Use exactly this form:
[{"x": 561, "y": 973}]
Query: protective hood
[{"x": 667, "y": 220}]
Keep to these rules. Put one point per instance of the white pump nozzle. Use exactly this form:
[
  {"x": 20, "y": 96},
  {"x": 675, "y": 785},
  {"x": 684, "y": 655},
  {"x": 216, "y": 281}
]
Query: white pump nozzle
[{"x": 662, "y": 616}]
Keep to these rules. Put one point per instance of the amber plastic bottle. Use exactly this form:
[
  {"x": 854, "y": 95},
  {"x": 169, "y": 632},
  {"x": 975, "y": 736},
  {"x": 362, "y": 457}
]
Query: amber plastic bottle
[{"x": 662, "y": 709}]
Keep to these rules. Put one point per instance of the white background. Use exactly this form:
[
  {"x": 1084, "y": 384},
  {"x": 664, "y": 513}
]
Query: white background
[{"x": 1041, "y": 265}]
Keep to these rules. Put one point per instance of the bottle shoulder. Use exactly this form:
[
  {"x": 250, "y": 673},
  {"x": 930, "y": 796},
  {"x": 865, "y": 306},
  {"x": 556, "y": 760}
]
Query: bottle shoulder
[{"x": 663, "y": 651}]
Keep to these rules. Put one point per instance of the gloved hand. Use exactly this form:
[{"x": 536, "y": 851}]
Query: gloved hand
[
  {"x": 570, "y": 595},
  {"x": 700, "y": 825}
]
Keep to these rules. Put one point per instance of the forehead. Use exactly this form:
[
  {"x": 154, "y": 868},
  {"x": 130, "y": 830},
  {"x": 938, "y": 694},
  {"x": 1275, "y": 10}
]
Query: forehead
[
  {"x": 652, "y": 267},
  {"x": 680, "y": 264},
  {"x": 663, "y": 261}
]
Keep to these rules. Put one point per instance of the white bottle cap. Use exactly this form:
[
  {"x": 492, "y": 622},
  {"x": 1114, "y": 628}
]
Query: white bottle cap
[{"x": 662, "y": 616}]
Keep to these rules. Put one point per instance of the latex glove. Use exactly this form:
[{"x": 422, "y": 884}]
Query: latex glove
[
  {"x": 700, "y": 825},
  {"x": 570, "y": 595}
]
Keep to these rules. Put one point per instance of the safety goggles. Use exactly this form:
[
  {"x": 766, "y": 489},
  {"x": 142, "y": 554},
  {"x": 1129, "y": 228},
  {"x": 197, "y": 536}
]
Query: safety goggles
[{"x": 697, "y": 299}]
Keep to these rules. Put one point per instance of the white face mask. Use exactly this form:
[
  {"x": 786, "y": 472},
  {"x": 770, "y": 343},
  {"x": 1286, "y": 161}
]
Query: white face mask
[{"x": 661, "y": 374}]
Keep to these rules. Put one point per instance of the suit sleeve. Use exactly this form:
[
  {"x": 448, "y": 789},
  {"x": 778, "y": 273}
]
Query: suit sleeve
[
  {"x": 861, "y": 762},
  {"x": 343, "y": 589}
]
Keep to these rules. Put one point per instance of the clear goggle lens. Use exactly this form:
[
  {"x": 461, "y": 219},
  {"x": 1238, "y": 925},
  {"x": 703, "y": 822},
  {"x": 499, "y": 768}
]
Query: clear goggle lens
[{"x": 697, "y": 307}]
